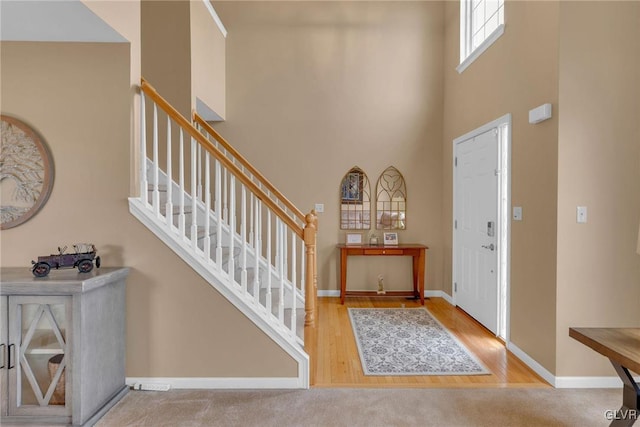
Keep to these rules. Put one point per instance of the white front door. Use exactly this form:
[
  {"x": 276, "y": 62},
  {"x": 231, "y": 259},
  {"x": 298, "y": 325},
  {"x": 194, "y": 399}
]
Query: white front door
[{"x": 476, "y": 230}]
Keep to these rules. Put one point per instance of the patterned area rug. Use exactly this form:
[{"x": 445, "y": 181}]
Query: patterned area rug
[{"x": 409, "y": 341}]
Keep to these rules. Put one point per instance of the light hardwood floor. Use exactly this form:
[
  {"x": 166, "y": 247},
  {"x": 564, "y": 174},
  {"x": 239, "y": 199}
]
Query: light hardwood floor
[{"x": 339, "y": 362}]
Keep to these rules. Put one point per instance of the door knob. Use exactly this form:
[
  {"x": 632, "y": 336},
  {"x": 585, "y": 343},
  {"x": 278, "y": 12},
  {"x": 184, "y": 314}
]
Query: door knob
[{"x": 490, "y": 247}]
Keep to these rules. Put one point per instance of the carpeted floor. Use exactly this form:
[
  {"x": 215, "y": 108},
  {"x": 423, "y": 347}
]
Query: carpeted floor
[{"x": 495, "y": 407}]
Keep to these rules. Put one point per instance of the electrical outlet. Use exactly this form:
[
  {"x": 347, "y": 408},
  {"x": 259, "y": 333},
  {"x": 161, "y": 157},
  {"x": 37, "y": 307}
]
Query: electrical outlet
[
  {"x": 319, "y": 207},
  {"x": 151, "y": 386}
]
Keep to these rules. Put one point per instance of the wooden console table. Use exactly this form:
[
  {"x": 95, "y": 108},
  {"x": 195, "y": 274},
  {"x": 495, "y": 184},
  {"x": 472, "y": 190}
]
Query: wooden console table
[
  {"x": 622, "y": 347},
  {"x": 416, "y": 251}
]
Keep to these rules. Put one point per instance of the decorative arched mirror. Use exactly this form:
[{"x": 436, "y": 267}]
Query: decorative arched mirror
[
  {"x": 355, "y": 201},
  {"x": 391, "y": 200}
]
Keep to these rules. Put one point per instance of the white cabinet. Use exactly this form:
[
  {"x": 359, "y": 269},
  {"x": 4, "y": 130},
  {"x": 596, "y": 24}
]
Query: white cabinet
[
  {"x": 62, "y": 345},
  {"x": 38, "y": 332}
]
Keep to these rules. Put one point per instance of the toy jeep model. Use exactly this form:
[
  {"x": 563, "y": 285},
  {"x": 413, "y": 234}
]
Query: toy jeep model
[{"x": 83, "y": 258}]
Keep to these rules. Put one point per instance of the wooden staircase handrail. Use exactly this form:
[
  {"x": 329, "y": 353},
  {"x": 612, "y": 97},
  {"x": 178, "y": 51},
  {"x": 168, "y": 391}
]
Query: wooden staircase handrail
[
  {"x": 249, "y": 166},
  {"x": 215, "y": 152}
]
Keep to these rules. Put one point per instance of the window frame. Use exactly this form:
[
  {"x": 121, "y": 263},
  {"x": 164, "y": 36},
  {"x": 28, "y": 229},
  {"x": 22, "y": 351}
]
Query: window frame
[{"x": 468, "y": 55}]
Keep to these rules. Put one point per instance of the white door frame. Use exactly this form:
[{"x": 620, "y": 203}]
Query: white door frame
[{"x": 503, "y": 229}]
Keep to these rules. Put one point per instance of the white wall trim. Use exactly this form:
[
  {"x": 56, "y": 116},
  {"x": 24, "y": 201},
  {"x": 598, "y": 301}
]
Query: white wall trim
[
  {"x": 480, "y": 49},
  {"x": 329, "y": 293},
  {"x": 530, "y": 362},
  {"x": 439, "y": 294},
  {"x": 220, "y": 383},
  {"x": 215, "y": 17},
  {"x": 565, "y": 382},
  {"x": 588, "y": 382}
]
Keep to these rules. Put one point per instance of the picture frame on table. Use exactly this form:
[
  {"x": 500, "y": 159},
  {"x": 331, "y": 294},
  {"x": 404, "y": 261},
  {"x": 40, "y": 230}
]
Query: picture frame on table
[
  {"x": 390, "y": 239},
  {"x": 353, "y": 239}
]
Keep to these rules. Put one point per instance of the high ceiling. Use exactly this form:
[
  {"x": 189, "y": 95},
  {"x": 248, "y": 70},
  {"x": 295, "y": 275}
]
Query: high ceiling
[{"x": 56, "y": 21}]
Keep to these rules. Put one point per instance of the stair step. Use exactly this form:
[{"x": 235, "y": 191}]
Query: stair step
[
  {"x": 226, "y": 256},
  {"x": 250, "y": 271},
  {"x": 300, "y": 313},
  {"x": 175, "y": 210},
  {"x": 202, "y": 233},
  {"x": 161, "y": 187}
]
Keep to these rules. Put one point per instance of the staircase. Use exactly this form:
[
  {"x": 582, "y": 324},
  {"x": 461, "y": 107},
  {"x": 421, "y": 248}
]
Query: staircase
[{"x": 231, "y": 225}]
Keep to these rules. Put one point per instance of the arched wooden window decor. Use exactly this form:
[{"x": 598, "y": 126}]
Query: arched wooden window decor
[
  {"x": 391, "y": 200},
  {"x": 355, "y": 201}
]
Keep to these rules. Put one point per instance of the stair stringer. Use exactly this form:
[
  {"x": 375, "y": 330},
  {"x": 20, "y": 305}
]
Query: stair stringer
[{"x": 247, "y": 306}]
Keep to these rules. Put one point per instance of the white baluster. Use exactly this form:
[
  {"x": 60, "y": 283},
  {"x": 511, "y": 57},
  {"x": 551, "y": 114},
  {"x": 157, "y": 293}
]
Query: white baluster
[
  {"x": 144, "y": 183},
  {"x": 207, "y": 214},
  {"x": 156, "y": 192},
  {"x": 269, "y": 268},
  {"x": 251, "y": 216},
  {"x": 285, "y": 251},
  {"x": 302, "y": 270},
  {"x": 243, "y": 234},
  {"x": 294, "y": 286},
  {"x": 225, "y": 208},
  {"x": 199, "y": 172},
  {"x": 169, "y": 205},
  {"x": 232, "y": 226},
  {"x": 218, "y": 214},
  {"x": 194, "y": 205},
  {"x": 181, "y": 217},
  {"x": 280, "y": 243},
  {"x": 256, "y": 246}
]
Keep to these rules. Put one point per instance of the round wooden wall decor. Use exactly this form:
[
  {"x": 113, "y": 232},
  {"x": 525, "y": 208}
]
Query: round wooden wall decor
[{"x": 26, "y": 172}]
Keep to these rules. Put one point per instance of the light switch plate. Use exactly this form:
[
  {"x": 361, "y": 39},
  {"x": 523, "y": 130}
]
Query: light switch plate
[
  {"x": 517, "y": 213},
  {"x": 581, "y": 214},
  {"x": 319, "y": 207}
]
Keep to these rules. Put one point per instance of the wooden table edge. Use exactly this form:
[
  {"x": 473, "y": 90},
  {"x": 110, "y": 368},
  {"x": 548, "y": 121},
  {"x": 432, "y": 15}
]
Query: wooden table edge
[{"x": 577, "y": 334}]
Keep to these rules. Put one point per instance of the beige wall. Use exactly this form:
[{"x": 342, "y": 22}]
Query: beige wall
[
  {"x": 183, "y": 54},
  {"x": 517, "y": 73},
  {"x": 599, "y": 158},
  {"x": 166, "y": 50},
  {"x": 207, "y": 60},
  {"x": 314, "y": 88},
  {"x": 124, "y": 17},
  {"x": 77, "y": 96}
]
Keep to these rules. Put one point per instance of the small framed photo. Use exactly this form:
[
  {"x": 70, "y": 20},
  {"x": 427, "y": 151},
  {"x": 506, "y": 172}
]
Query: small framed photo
[
  {"x": 354, "y": 239},
  {"x": 390, "y": 238}
]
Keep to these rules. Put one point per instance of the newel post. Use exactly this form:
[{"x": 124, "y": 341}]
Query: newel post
[{"x": 311, "y": 294}]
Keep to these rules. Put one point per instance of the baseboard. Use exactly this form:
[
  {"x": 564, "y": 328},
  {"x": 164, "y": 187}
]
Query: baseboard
[
  {"x": 531, "y": 363},
  {"x": 589, "y": 382},
  {"x": 221, "y": 383},
  {"x": 439, "y": 294},
  {"x": 328, "y": 293},
  {"x": 565, "y": 382}
]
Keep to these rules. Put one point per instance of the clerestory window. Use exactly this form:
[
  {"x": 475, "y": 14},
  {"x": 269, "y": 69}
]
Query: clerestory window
[{"x": 481, "y": 24}]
